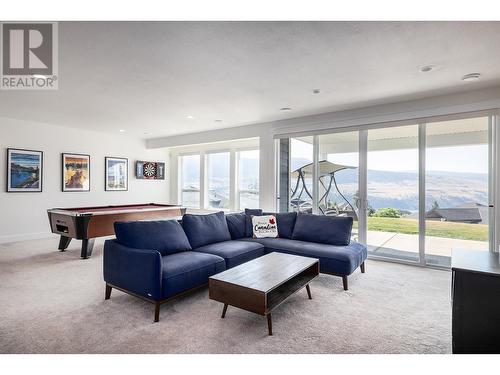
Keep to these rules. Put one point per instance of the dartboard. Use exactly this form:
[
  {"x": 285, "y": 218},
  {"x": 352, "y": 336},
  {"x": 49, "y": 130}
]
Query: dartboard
[{"x": 149, "y": 170}]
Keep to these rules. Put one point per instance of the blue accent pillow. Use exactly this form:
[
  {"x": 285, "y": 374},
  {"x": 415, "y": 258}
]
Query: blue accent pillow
[
  {"x": 286, "y": 223},
  {"x": 166, "y": 236},
  {"x": 205, "y": 229},
  {"x": 236, "y": 223},
  {"x": 249, "y": 212},
  {"x": 332, "y": 230}
]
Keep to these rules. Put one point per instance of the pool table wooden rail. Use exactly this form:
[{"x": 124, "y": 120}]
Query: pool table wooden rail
[{"x": 86, "y": 224}]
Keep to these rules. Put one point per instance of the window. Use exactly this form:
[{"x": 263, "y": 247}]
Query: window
[
  {"x": 190, "y": 180},
  {"x": 456, "y": 188},
  {"x": 300, "y": 174},
  {"x": 393, "y": 193},
  {"x": 248, "y": 179},
  {"x": 338, "y": 186},
  {"x": 221, "y": 176},
  {"x": 218, "y": 180},
  {"x": 418, "y": 190}
]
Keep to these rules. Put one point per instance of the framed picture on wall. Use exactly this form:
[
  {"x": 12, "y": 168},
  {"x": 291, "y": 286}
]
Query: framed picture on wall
[
  {"x": 24, "y": 170},
  {"x": 116, "y": 178},
  {"x": 75, "y": 172}
]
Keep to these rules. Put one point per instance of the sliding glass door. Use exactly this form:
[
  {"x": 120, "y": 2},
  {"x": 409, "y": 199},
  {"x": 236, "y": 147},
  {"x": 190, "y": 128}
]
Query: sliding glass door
[
  {"x": 415, "y": 192},
  {"x": 456, "y": 188},
  {"x": 392, "y": 193},
  {"x": 338, "y": 176},
  {"x": 301, "y": 175}
]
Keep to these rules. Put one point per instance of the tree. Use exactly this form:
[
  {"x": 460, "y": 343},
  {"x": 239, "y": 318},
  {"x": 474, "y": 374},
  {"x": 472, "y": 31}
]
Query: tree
[{"x": 387, "y": 212}]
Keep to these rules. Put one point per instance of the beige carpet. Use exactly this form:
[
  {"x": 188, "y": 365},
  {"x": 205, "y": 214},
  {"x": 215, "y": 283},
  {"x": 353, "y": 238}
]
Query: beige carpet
[{"x": 53, "y": 302}]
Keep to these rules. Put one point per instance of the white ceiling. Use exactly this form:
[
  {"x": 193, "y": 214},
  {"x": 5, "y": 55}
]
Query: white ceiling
[{"x": 148, "y": 76}]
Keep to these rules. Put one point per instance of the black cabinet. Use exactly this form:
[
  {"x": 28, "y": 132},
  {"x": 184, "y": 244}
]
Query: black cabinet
[{"x": 476, "y": 301}]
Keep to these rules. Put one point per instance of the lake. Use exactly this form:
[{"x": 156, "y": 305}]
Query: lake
[{"x": 19, "y": 178}]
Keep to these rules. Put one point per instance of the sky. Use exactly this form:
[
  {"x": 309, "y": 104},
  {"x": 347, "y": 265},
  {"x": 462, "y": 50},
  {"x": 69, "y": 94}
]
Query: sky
[
  {"x": 25, "y": 159},
  {"x": 465, "y": 159}
]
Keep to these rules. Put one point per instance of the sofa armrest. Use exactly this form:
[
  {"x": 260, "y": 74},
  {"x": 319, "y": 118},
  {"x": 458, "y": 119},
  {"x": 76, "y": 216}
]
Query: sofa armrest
[{"x": 135, "y": 270}]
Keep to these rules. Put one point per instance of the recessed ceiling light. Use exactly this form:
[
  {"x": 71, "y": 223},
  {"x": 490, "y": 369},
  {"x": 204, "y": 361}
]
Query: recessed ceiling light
[
  {"x": 190, "y": 117},
  {"x": 285, "y": 109},
  {"x": 471, "y": 77},
  {"x": 427, "y": 68},
  {"x": 41, "y": 76},
  {"x": 218, "y": 120},
  {"x": 146, "y": 133},
  {"x": 121, "y": 131},
  {"x": 316, "y": 91}
]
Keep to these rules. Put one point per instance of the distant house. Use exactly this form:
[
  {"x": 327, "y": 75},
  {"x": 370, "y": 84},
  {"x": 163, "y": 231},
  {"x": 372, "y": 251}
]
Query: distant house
[{"x": 471, "y": 215}]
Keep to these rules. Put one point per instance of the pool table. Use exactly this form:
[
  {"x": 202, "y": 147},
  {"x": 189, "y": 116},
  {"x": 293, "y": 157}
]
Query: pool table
[{"x": 87, "y": 223}]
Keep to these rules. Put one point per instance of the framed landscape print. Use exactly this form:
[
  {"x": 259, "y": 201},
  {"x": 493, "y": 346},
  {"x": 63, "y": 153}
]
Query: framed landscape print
[
  {"x": 116, "y": 178},
  {"x": 75, "y": 172},
  {"x": 24, "y": 170},
  {"x": 150, "y": 170}
]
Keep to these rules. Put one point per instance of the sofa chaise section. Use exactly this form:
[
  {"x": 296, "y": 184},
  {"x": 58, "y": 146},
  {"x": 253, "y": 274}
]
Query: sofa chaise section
[
  {"x": 327, "y": 238},
  {"x": 334, "y": 260}
]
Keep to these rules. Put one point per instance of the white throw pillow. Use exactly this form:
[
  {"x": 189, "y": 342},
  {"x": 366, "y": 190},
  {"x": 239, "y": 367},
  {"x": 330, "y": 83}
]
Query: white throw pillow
[{"x": 264, "y": 226}]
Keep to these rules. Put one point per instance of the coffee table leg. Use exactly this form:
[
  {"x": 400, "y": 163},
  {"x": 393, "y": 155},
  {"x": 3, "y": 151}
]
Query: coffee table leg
[
  {"x": 309, "y": 291},
  {"x": 270, "y": 324},
  {"x": 224, "y": 311}
]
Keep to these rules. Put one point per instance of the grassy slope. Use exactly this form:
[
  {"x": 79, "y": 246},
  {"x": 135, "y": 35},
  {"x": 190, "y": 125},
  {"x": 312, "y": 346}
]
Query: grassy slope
[{"x": 476, "y": 232}]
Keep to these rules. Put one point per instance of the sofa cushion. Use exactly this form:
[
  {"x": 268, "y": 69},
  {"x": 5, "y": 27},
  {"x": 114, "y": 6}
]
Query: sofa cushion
[
  {"x": 205, "y": 229},
  {"x": 236, "y": 225},
  {"x": 183, "y": 271},
  {"x": 249, "y": 212},
  {"x": 331, "y": 230},
  {"x": 338, "y": 260},
  {"x": 165, "y": 236},
  {"x": 234, "y": 252},
  {"x": 286, "y": 223}
]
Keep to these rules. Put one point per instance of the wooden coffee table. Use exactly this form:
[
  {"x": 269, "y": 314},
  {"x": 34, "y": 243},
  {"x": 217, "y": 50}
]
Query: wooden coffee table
[{"x": 262, "y": 284}]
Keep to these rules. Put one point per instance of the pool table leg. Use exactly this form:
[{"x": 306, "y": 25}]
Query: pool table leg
[
  {"x": 64, "y": 242},
  {"x": 87, "y": 246}
]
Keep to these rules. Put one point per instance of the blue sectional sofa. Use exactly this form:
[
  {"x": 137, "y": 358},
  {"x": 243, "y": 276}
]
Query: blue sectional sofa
[{"x": 160, "y": 260}]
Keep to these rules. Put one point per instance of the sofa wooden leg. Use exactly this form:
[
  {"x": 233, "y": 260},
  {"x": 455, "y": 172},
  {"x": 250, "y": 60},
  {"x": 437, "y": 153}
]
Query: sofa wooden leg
[
  {"x": 344, "y": 281},
  {"x": 362, "y": 267},
  {"x": 108, "y": 291},
  {"x": 157, "y": 311}
]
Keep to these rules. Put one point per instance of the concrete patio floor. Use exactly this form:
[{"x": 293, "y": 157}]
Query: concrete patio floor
[{"x": 440, "y": 246}]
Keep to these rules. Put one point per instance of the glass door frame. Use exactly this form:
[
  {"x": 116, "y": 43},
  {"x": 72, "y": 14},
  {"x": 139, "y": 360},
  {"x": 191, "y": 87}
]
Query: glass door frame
[
  {"x": 422, "y": 146},
  {"x": 493, "y": 172}
]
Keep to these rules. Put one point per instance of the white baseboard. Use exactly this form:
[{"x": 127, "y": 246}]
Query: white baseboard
[{"x": 25, "y": 237}]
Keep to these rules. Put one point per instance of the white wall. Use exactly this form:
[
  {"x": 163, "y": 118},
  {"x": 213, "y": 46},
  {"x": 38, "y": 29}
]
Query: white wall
[{"x": 24, "y": 215}]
